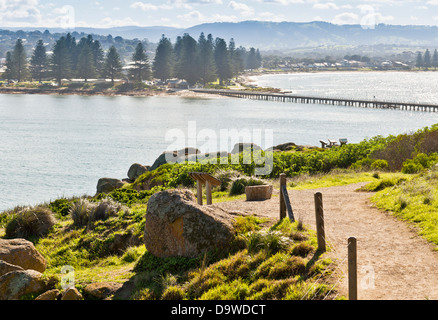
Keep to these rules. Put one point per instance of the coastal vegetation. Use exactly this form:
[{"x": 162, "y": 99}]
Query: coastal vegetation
[
  {"x": 101, "y": 236},
  {"x": 203, "y": 61}
]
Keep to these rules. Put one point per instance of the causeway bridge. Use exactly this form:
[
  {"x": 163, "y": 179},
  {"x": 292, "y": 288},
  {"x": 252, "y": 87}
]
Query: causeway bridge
[{"x": 285, "y": 97}]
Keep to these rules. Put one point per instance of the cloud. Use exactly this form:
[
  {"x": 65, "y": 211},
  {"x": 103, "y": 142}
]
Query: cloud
[
  {"x": 193, "y": 15},
  {"x": 19, "y": 12},
  {"x": 244, "y": 9},
  {"x": 325, "y": 6},
  {"x": 346, "y": 18},
  {"x": 149, "y": 6}
]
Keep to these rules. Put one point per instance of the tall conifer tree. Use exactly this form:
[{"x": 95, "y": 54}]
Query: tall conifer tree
[
  {"x": 163, "y": 62},
  {"x": 140, "y": 69},
  {"x": 19, "y": 61},
  {"x": 38, "y": 61},
  {"x": 207, "y": 65},
  {"x": 112, "y": 66}
]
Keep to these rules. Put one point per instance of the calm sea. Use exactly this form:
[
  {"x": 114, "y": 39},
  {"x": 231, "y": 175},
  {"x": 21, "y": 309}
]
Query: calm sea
[{"x": 54, "y": 146}]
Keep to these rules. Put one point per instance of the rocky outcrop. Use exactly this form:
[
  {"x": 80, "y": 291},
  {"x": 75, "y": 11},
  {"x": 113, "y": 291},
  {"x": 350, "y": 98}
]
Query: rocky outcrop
[
  {"x": 7, "y": 267},
  {"x": 71, "y": 294},
  {"x": 136, "y": 170},
  {"x": 177, "y": 226},
  {"x": 53, "y": 294},
  {"x": 240, "y": 147},
  {"x": 15, "y": 284},
  {"x": 105, "y": 185},
  {"x": 176, "y": 156},
  {"x": 22, "y": 253},
  {"x": 102, "y": 290}
]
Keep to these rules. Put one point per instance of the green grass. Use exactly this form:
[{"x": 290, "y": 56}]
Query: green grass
[
  {"x": 333, "y": 179},
  {"x": 414, "y": 200}
]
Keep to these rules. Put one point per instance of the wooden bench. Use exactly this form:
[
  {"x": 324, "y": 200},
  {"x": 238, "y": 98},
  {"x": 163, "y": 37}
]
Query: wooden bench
[
  {"x": 343, "y": 141},
  {"x": 209, "y": 181},
  {"x": 323, "y": 144},
  {"x": 332, "y": 143}
]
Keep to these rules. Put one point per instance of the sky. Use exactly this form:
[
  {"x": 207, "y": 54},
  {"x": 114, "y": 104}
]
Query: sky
[{"x": 187, "y": 13}]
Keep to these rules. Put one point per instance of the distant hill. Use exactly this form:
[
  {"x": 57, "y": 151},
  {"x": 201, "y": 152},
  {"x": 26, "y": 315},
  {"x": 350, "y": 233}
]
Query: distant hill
[{"x": 284, "y": 35}]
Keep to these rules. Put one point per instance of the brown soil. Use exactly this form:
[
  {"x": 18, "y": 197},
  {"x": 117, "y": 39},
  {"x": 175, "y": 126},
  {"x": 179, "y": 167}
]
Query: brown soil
[{"x": 394, "y": 263}]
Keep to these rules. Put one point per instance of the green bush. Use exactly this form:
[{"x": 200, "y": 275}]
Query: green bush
[
  {"x": 410, "y": 166},
  {"x": 60, "y": 207},
  {"x": 173, "y": 293},
  {"x": 30, "y": 223},
  {"x": 380, "y": 165},
  {"x": 84, "y": 212},
  {"x": 80, "y": 212},
  {"x": 238, "y": 185},
  {"x": 419, "y": 162}
]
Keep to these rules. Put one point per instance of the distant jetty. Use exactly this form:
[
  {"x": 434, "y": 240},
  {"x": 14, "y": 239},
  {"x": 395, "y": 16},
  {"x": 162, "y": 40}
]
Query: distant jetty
[{"x": 283, "y": 97}]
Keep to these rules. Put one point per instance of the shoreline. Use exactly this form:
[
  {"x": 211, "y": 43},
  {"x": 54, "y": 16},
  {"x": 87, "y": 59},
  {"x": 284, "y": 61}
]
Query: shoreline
[
  {"x": 108, "y": 93},
  {"x": 245, "y": 79}
]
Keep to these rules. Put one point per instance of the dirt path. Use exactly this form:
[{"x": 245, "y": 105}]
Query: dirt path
[{"x": 394, "y": 263}]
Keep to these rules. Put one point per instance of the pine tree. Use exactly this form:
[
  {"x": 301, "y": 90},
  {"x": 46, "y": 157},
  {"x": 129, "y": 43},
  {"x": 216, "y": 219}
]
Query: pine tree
[
  {"x": 19, "y": 61},
  {"x": 140, "y": 68},
  {"x": 252, "y": 60},
  {"x": 222, "y": 59},
  {"x": 112, "y": 66},
  {"x": 60, "y": 61},
  {"x": 98, "y": 56},
  {"x": 258, "y": 58},
  {"x": 73, "y": 51},
  {"x": 435, "y": 59},
  {"x": 419, "y": 63},
  {"x": 187, "y": 66},
  {"x": 163, "y": 62},
  {"x": 427, "y": 60},
  {"x": 207, "y": 65},
  {"x": 10, "y": 72},
  {"x": 38, "y": 61},
  {"x": 85, "y": 66}
]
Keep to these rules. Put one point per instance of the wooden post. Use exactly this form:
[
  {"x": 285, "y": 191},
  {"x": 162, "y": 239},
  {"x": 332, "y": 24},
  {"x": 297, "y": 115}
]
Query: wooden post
[
  {"x": 199, "y": 192},
  {"x": 319, "y": 214},
  {"x": 352, "y": 268},
  {"x": 282, "y": 204},
  {"x": 208, "y": 192}
]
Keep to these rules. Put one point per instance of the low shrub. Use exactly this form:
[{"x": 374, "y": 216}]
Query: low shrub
[
  {"x": 238, "y": 185},
  {"x": 80, "y": 212},
  {"x": 84, "y": 212},
  {"x": 379, "y": 165},
  {"x": 30, "y": 223},
  {"x": 173, "y": 293},
  {"x": 61, "y": 207}
]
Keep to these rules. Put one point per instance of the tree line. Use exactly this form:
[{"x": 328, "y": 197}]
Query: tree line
[
  {"x": 427, "y": 60},
  {"x": 201, "y": 61}
]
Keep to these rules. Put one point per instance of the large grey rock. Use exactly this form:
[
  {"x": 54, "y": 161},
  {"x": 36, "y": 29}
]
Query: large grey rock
[
  {"x": 105, "y": 185},
  {"x": 102, "y": 290},
  {"x": 53, "y": 294},
  {"x": 177, "y": 226},
  {"x": 16, "y": 284},
  {"x": 176, "y": 156},
  {"x": 240, "y": 147},
  {"x": 21, "y": 252},
  {"x": 71, "y": 294},
  {"x": 7, "y": 267},
  {"x": 136, "y": 170},
  {"x": 209, "y": 156}
]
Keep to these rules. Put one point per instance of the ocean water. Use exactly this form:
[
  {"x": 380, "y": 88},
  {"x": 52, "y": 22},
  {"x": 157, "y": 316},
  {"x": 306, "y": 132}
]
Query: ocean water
[
  {"x": 400, "y": 86},
  {"x": 53, "y": 146}
]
